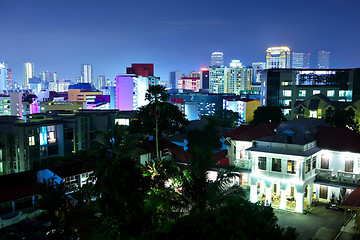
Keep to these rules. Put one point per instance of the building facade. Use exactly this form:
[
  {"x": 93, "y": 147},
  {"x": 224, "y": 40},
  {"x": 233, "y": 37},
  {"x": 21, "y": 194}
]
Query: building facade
[
  {"x": 301, "y": 60},
  {"x": 87, "y": 73},
  {"x": 28, "y": 72},
  {"x": 324, "y": 60},
  {"x": 217, "y": 59},
  {"x": 278, "y": 57}
]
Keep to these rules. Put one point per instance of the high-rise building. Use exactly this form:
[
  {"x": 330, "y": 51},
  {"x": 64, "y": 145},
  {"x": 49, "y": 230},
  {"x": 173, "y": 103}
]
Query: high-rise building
[
  {"x": 204, "y": 78},
  {"x": 258, "y": 67},
  {"x": 301, "y": 60},
  {"x": 323, "y": 60},
  {"x": 278, "y": 57},
  {"x": 86, "y": 73},
  {"x": 8, "y": 79},
  {"x": 78, "y": 78},
  {"x": 28, "y": 72},
  {"x": 101, "y": 82},
  {"x": 173, "y": 78},
  {"x": 217, "y": 59},
  {"x": 218, "y": 80},
  {"x": 194, "y": 74},
  {"x": 3, "y": 76}
]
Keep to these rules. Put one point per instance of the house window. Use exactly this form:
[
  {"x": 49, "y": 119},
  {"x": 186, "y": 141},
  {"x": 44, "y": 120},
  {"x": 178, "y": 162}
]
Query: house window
[
  {"x": 291, "y": 167},
  {"x": 302, "y": 93},
  {"x": 308, "y": 165},
  {"x": 316, "y": 92},
  {"x": 314, "y": 162},
  {"x": 324, "y": 162},
  {"x": 349, "y": 165},
  {"x": 262, "y": 163},
  {"x": 323, "y": 192},
  {"x": 276, "y": 165},
  {"x": 330, "y": 93}
]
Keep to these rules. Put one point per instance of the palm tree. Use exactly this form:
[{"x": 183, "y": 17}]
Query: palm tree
[{"x": 156, "y": 95}]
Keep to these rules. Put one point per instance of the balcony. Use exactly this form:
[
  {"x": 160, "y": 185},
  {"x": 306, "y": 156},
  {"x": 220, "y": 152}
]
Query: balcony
[
  {"x": 326, "y": 174},
  {"x": 348, "y": 177},
  {"x": 243, "y": 163}
]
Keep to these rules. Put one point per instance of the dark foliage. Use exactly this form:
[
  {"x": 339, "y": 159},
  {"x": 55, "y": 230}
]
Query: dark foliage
[
  {"x": 342, "y": 118},
  {"x": 267, "y": 114},
  {"x": 223, "y": 118}
]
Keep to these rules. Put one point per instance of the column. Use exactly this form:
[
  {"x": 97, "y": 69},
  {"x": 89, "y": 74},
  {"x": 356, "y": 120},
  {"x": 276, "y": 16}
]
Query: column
[
  {"x": 310, "y": 193},
  {"x": 268, "y": 195},
  {"x": 299, "y": 197},
  {"x": 282, "y": 199},
  {"x": 253, "y": 193}
]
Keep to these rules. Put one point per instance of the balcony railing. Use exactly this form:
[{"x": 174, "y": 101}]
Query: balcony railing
[
  {"x": 324, "y": 173},
  {"x": 348, "y": 176},
  {"x": 243, "y": 163}
]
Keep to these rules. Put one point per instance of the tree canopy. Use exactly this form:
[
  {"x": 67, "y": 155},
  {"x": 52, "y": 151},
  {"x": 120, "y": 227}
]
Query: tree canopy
[
  {"x": 265, "y": 114},
  {"x": 224, "y": 118},
  {"x": 342, "y": 118}
]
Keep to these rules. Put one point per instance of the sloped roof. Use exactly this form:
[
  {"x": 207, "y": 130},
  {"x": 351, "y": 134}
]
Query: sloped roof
[
  {"x": 249, "y": 133},
  {"x": 220, "y": 158},
  {"x": 339, "y": 139},
  {"x": 353, "y": 200},
  {"x": 314, "y": 104},
  {"x": 150, "y": 146},
  {"x": 17, "y": 185}
]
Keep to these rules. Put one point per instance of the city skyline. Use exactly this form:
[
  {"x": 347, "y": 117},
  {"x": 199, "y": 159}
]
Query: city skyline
[{"x": 66, "y": 34}]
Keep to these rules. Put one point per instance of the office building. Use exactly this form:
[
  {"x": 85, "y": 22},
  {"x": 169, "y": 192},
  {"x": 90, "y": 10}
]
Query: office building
[
  {"x": 3, "y": 78},
  {"x": 194, "y": 74},
  {"x": 278, "y": 57},
  {"x": 28, "y": 72},
  {"x": 217, "y": 59},
  {"x": 282, "y": 87},
  {"x": 301, "y": 60},
  {"x": 101, "y": 82},
  {"x": 244, "y": 107},
  {"x": 258, "y": 67},
  {"x": 189, "y": 83},
  {"x": 204, "y": 78},
  {"x": 323, "y": 60},
  {"x": 173, "y": 78},
  {"x": 218, "y": 79},
  {"x": 78, "y": 78},
  {"x": 87, "y": 73}
]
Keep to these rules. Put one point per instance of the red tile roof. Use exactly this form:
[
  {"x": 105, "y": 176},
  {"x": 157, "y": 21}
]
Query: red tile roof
[
  {"x": 339, "y": 139},
  {"x": 249, "y": 133},
  {"x": 221, "y": 159},
  {"x": 72, "y": 168},
  {"x": 17, "y": 193},
  {"x": 353, "y": 200}
]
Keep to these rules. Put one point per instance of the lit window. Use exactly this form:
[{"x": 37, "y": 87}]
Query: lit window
[
  {"x": 330, "y": 93},
  {"x": 316, "y": 92},
  {"x": 287, "y": 93},
  {"x": 302, "y": 93},
  {"x": 291, "y": 167},
  {"x": 31, "y": 140},
  {"x": 308, "y": 165},
  {"x": 262, "y": 163}
]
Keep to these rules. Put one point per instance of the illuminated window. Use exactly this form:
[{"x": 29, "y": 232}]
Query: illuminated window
[
  {"x": 51, "y": 138},
  {"x": 302, "y": 93},
  {"x": 330, "y": 93},
  {"x": 287, "y": 93},
  {"x": 31, "y": 140},
  {"x": 308, "y": 165},
  {"x": 291, "y": 167},
  {"x": 316, "y": 92}
]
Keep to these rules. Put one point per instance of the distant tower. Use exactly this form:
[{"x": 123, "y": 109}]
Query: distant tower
[
  {"x": 28, "y": 72},
  {"x": 101, "y": 81},
  {"x": 301, "y": 60},
  {"x": 258, "y": 68},
  {"x": 278, "y": 57},
  {"x": 86, "y": 73},
  {"x": 323, "y": 60},
  {"x": 174, "y": 77},
  {"x": 3, "y": 76},
  {"x": 217, "y": 59}
]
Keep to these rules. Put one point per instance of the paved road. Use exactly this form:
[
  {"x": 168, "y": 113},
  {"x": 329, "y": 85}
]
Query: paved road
[{"x": 327, "y": 221}]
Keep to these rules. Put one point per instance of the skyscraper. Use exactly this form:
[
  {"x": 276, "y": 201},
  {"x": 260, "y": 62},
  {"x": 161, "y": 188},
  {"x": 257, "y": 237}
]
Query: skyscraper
[
  {"x": 323, "y": 60},
  {"x": 3, "y": 76},
  {"x": 101, "y": 81},
  {"x": 278, "y": 57},
  {"x": 173, "y": 78},
  {"x": 28, "y": 72},
  {"x": 301, "y": 60},
  {"x": 217, "y": 59},
  {"x": 86, "y": 73}
]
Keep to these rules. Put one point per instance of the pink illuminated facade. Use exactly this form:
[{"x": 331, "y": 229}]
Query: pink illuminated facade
[{"x": 189, "y": 83}]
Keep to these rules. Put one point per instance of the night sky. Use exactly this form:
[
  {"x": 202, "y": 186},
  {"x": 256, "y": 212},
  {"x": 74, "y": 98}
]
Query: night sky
[{"x": 60, "y": 35}]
